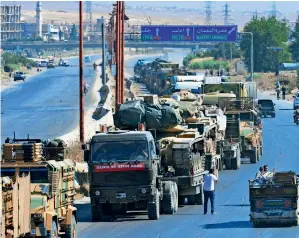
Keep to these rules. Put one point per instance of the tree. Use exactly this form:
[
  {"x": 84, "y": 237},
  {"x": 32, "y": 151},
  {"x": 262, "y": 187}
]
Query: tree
[
  {"x": 294, "y": 47},
  {"x": 74, "y": 34},
  {"x": 267, "y": 32}
]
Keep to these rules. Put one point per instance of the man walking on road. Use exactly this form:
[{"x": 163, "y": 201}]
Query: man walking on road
[{"x": 209, "y": 190}]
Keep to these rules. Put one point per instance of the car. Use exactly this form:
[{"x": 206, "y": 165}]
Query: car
[
  {"x": 50, "y": 65},
  {"x": 266, "y": 107},
  {"x": 19, "y": 76},
  {"x": 296, "y": 100}
]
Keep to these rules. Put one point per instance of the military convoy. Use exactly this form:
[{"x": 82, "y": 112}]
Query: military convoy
[{"x": 48, "y": 191}]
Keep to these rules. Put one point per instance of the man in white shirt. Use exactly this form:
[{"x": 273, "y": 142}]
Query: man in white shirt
[{"x": 209, "y": 190}]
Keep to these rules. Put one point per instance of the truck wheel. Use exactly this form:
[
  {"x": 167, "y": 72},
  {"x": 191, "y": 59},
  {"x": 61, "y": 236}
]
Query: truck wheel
[
  {"x": 253, "y": 157},
  {"x": 53, "y": 233},
  {"x": 228, "y": 164},
  {"x": 71, "y": 230},
  {"x": 176, "y": 203},
  {"x": 220, "y": 165},
  {"x": 236, "y": 162},
  {"x": 153, "y": 209},
  {"x": 199, "y": 198},
  {"x": 101, "y": 213},
  {"x": 273, "y": 115},
  {"x": 191, "y": 199},
  {"x": 168, "y": 198}
]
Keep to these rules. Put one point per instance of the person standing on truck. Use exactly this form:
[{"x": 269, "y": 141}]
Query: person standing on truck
[
  {"x": 209, "y": 191},
  {"x": 260, "y": 173}
]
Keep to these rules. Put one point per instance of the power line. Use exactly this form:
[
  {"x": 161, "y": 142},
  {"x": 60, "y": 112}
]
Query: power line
[
  {"x": 208, "y": 12},
  {"x": 226, "y": 14},
  {"x": 88, "y": 10}
]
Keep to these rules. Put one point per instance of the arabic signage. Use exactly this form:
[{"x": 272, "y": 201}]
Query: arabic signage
[
  {"x": 166, "y": 33},
  {"x": 190, "y": 33},
  {"x": 119, "y": 167}
]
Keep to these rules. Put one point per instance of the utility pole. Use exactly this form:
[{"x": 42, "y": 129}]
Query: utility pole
[
  {"x": 122, "y": 51},
  {"x": 117, "y": 35},
  {"x": 81, "y": 86},
  {"x": 103, "y": 54},
  {"x": 208, "y": 12}
]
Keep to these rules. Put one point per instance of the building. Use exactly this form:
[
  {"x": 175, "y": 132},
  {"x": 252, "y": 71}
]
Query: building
[
  {"x": 29, "y": 30},
  {"x": 11, "y": 28}
]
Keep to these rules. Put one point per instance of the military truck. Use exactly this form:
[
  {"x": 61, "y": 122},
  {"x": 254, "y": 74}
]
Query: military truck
[
  {"x": 250, "y": 134},
  {"x": 274, "y": 199},
  {"x": 125, "y": 174},
  {"x": 51, "y": 185},
  {"x": 15, "y": 208}
]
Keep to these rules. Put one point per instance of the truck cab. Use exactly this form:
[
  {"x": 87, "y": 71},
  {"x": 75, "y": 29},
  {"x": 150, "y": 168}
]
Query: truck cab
[{"x": 124, "y": 174}]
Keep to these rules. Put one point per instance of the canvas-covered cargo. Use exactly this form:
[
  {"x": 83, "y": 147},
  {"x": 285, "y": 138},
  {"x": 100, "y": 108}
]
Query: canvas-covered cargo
[
  {"x": 236, "y": 88},
  {"x": 157, "y": 116},
  {"x": 188, "y": 109},
  {"x": 15, "y": 206}
]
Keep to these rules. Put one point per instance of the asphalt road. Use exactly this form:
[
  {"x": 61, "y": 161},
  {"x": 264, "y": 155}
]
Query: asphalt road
[{"x": 280, "y": 138}]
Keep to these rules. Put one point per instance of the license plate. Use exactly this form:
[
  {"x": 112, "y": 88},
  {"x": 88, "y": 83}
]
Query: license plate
[
  {"x": 121, "y": 195},
  {"x": 33, "y": 231}
]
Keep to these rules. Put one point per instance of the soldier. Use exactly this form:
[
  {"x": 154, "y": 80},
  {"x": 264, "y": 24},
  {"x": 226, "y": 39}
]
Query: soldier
[{"x": 283, "y": 90}]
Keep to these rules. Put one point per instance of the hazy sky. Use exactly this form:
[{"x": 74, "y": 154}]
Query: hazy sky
[{"x": 282, "y": 6}]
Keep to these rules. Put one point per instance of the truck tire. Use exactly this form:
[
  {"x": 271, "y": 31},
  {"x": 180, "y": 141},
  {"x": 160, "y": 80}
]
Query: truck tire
[
  {"x": 221, "y": 164},
  {"x": 236, "y": 162},
  {"x": 53, "y": 233},
  {"x": 191, "y": 199},
  {"x": 71, "y": 230},
  {"x": 100, "y": 214},
  {"x": 228, "y": 164},
  {"x": 153, "y": 209},
  {"x": 199, "y": 198},
  {"x": 273, "y": 115},
  {"x": 176, "y": 193},
  {"x": 168, "y": 202},
  {"x": 253, "y": 157}
]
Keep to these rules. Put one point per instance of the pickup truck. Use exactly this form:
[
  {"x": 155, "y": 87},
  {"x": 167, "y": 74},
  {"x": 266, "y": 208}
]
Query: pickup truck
[
  {"x": 274, "y": 199},
  {"x": 266, "y": 107}
]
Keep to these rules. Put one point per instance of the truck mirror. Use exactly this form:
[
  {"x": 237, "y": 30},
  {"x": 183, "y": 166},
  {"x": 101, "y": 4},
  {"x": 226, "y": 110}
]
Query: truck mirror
[
  {"x": 150, "y": 175},
  {"x": 83, "y": 146},
  {"x": 86, "y": 155},
  {"x": 293, "y": 96}
]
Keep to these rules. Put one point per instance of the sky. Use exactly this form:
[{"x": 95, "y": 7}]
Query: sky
[{"x": 282, "y": 6}]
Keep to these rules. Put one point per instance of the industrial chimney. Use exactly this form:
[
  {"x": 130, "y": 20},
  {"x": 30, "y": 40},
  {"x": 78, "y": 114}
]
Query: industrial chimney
[{"x": 39, "y": 21}]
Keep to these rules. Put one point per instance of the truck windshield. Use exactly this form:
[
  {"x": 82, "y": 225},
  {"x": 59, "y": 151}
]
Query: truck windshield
[
  {"x": 37, "y": 175},
  {"x": 119, "y": 151}
]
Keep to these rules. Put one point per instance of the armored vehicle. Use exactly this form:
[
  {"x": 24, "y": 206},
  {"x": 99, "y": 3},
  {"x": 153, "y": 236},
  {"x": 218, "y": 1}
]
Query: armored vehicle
[
  {"x": 51, "y": 184},
  {"x": 274, "y": 199}
]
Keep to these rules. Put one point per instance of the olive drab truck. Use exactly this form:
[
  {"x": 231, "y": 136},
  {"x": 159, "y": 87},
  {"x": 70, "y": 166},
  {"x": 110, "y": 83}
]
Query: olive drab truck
[
  {"x": 124, "y": 175},
  {"x": 250, "y": 134},
  {"x": 51, "y": 186},
  {"x": 274, "y": 199}
]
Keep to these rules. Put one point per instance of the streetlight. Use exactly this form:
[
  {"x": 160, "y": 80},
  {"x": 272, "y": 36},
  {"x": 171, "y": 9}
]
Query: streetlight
[{"x": 251, "y": 53}]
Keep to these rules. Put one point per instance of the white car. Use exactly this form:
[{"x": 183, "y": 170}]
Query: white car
[{"x": 296, "y": 100}]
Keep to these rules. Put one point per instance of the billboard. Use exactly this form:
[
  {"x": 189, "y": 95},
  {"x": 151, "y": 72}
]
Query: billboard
[{"x": 160, "y": 33}]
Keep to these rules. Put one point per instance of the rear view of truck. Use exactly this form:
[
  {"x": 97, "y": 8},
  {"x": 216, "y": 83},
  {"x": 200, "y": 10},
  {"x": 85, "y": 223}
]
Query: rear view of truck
[{"x": 274, "y": 199}]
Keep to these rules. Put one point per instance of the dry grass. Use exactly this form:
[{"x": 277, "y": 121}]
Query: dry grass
[
  {"x": 201, "y": 59},
  {"x": 75, "y": 152}
]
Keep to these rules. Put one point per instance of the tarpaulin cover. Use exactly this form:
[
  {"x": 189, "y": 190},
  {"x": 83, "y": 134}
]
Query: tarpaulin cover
[{"x": 131, "y": 113}]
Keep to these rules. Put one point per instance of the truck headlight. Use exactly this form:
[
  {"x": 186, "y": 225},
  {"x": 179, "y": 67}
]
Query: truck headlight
[
  {"x": 97, "y": 193},
  {"x": 143, "y": 191}
]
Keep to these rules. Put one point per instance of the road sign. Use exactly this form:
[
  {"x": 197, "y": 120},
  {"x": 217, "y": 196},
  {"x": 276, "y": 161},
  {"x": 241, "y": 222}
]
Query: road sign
[
  {"x": 216, "y": 33},
  {"x": 190, "y": 33},
  {"x": 167, "y": 33}
]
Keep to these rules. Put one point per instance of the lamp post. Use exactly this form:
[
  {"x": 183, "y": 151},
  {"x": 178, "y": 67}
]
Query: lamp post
[{"x": 251, "y": 53}]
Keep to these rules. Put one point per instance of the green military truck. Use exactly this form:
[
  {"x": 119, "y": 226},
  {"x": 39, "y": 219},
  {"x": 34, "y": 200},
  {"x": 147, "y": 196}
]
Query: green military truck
[
  {"x": 125, "y": 174},
  {"x": 274, "y": 199},
  {"x": 52, "y": 186}
]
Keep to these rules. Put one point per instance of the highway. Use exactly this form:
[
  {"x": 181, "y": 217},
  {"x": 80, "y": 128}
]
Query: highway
[
  {"x": 280, "y": 138},
  {"x": 47, "y": 104}
]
